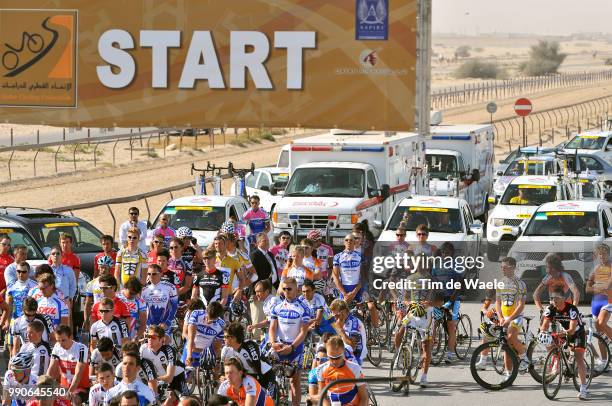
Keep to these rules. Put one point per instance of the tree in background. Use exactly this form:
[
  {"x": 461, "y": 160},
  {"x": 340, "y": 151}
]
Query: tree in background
[
  {"x": 477, "y": 68},
  {"x": 544, "y": 59},
  {"x": 463, "y": 51}
]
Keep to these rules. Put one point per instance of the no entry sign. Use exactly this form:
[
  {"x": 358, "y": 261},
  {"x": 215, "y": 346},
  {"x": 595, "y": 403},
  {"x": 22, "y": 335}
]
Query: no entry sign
[{"x": 523, "y": 107}]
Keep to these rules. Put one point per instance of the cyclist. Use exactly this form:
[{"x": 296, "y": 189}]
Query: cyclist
[
  {"x": 18, "y": 375},
  {"x": 163, "y": 255},
  {"x": 40, "y": 350},
  {"x": 242, "y": 256},
  {"x": 281, "y": 250},
  {"x": 108, "y": 326},
  {"x": 257, "y": 219},
  {"x": 598, "y": 284},
  {"x": 296, "y": 268},
  {"x": 157, "y": 243},
  {"x": 208, "y": 286},
  {"x": 322, "y": 319},
  {"x": 146, "y": 372},
  {"x": 192, "y": 253},
  {"x": 568, "y": 315},
  {"x": 241, "y": 388},
  {"x": 131, "y": 260},
  {"x": 164, "y": 230},
  {"x": 349, "y": 394},
  {"x": 93, "y": 292},
  {"x": 137, "y": 307},
  {"x": 180, "y": 268},
  {"x": 350, "y": 329},
  {"x": 313, "y": 383},
  {"x": 18, "y": 330},
  {"x": 106, "y": 241},
  {"x": 556, "y": 277},
  {"x": 230, "y": 268},
  {"x": 49, "y": 302},
  {"x": 204, "y": 332},
  {"x": 16, "y": 293},
  {"x": 167, "y": 367},
  {"x": 106, "y": 380},
  {"x": 288, "y": 328},
  {"x": 323, "y": 252},
  {"x": 249, "y": 354},
  {"x": 104, "y": 353},
  {"x": 161, "y": 300},
  {"x": 108, "y": 285},
  {"x": 130, "y": 364},
  {"x": 70, "y": 358},
  {"x": 5, "y": 259}
]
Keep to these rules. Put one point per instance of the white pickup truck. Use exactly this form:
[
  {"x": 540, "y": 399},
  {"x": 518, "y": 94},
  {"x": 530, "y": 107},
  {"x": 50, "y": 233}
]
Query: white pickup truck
[
  {"x": 460, "y": 164},
  {"x": 343, "y": 177}
]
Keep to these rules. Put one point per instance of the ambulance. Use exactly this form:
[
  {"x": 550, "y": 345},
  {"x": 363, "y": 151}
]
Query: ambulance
[
  {"x": 343, "y": 177},
  {"x": 571, "y": 229},
  {"x": 460, "y": 164},
  {"x": 521, "y": 198}
]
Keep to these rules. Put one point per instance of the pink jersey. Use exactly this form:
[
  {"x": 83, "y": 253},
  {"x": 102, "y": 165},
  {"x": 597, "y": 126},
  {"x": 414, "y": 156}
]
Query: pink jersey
[
  {"x": 256, "y": 220},
  {"x": 167, "y": 232},
  {"x": 324, "y": 252},
  {"x": 281, "y": 255}
]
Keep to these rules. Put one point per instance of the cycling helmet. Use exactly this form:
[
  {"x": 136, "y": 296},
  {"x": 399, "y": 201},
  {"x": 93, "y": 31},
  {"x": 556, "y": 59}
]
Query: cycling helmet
[
  {"x": 314, "y": 235},
  {"x": 400, "y": 306},
  {"x": 417, "y": 310},
  {"x": 320, "y": 285},
  {"x": 485, "y": 329},
  {"x": 22, "y": 360},
  {"x": 106, "y": 261},
  {"x": 237, "y": 308},
  {"x": 228, "y": 228},
  {"x": 183, "y": 232}
]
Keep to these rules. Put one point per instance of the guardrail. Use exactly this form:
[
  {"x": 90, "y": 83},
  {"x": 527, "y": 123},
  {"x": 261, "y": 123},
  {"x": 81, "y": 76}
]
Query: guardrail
[
  {"x": 474, "y": 93},
  {"x": 361, "y": 380}
]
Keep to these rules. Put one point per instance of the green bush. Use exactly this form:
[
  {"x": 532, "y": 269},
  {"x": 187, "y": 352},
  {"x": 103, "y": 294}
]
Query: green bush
[
  {"x": 608, "y": 61},
  {"x": 237, "y": 143},
  {"x": 463, "y": 51},
  {"x": 544, "y": 59},
  {"x": 479, "y": 69}
]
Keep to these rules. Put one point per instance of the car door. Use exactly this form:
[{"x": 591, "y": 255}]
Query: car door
[
  {"x": 606, "y": 223},
  {"x": 251, "y": 183},
  {"x": 472, "y": 240},
  {"x": 376, "y": 213},
  {"x": 264, "y": 182}
]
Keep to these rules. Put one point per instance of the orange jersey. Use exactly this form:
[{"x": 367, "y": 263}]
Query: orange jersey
[
  {"x": 299, "y": 273},
  {"x": 347, "y": 394},
  {"x": 249, "y": 386}
]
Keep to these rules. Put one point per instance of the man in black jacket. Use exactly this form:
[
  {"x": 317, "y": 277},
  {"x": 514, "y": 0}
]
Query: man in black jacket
[{"x": 265, "y": 266}]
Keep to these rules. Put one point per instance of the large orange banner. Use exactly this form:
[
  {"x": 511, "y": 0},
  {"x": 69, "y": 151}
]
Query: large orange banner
[{"x": 209, "y": 63}]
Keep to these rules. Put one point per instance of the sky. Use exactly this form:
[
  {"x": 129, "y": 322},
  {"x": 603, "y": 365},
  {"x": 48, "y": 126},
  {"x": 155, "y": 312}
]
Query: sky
[{"x": 548, "y": 17}]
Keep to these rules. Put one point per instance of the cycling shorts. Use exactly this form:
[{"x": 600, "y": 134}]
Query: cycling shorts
[
  {"x": 607, "y": 308},
  {"x": 578, "y": 341},
  {"x": 454, "y": 308},
  {"x": 179, "y": 384},
  {"x": 312, "y": 377},
  {"x": 296, "y": 356},
  {"x": 518, "y": 322},
  {"x": 195, "y": 357},
  {"x": 349, "y": 288},
  {"x": 326, "y": 327},
  {"x": 598, "y": 303}
]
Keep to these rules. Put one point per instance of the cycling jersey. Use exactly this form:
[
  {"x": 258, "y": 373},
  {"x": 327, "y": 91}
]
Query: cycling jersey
[
  {"x": 250, "y": 357},
  {"x": 131, "y": 263},
  {"x": 162, "y": 303},
  {"x": 53, "y": 307},
  {"x": 167, "y": 232},
  {"x": 281, "y": 255},
  {"x": 94, "y": 291},
  {"x": 564, "y": 317},
  {"x": 291, "y": 315},
  {"x": 97, "y": 393},
  {"x": 249, "y": 386},
  {"x": 19, "y": 291},
  {"x": 448, "y": 277},
  {"x": 514, "y": 291},
  {"x": 5, "y": 260},
  {"x": 68, "y": 360},
  {"x": 120, "y": 310},
  {"x": 206, "y": 332},
  {"x": 37, "y": 294},
  {"x": 145, "y": 394},
  {"x": 166, "y": 355},
  {"x": 256, "y": 220},
  {"x": 135, "y": 307},
  {"x": 180, "y": 268},
  {"x": 96, "y": 360},
  {"x": 41, "y": 357},
  {"x": 317, "y": 302},
  {"x": 172, "y": 278},
  {"x": 312, "y": 263},
  {"x": 209, "y": 286},
  {"x": 563, "y": 281},
  {"x": 146, "y": 372},
  {"x": 20, "y": 325},
  {"x": 299, "y": 273},
  {"x": 229, "y": 267},
  {"x": 323, "y": 253},
  {"x": 11, "y": 381},
  {"x": 347, "y": 393},
  {"x": 188, "y": 256},
  {"x": 242, "y": 258},
  {"x": 116, "y": 330},
  {"x": 349, "y": 263},
  {"x": 420, "y": 292},
  {"x": 354, "y": 329},
  {"x": 112, "y": 254}
]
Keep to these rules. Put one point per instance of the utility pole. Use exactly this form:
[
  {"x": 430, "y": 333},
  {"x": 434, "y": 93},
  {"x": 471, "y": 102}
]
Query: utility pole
[{"x": 423, "y": 72}]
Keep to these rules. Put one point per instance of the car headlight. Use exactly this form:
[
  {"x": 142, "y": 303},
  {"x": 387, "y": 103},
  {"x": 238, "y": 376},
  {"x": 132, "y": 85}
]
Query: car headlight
[
  {"x": 584, "y": 256},
  {"x": 344, "y": 219},
  {"x": 519, "y": 256},
  {"x": 497, "y": 222},
  {"x": 281, "y": 217}
]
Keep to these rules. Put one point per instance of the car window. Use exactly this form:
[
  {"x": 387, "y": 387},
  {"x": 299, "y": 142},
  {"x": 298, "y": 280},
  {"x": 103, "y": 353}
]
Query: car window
[
  {"x": 372, "y": 183},
  {"x": 20, "y": 237},
  {"x": 606, "y": 222},
  {"x": 251, "y": 179},
  {"x": 204, "y": 218},
  {"x": 85, "y": 238},
  {"x": 466, "y": 219},
  {"x": 264, "y": 180},
  {"x": 587, "y": 162}
]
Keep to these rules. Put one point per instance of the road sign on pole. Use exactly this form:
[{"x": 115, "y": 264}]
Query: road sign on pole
[
  {"x": 523, "y": 107},
  {"x": 492, "y": 108}
]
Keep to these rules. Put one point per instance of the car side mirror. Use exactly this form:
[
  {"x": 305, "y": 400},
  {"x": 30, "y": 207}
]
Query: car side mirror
[
  {"x": 492, "y": 200},
  {"x": 500, "y": 173},
  {"x": 475, "y": 175},
  {"x": 476, "y": 228},
  {"x": 385, "y": 191},
  {"x": 516, "y": 231},
  {"x": 378, "y": 224},
  {"x": 609, "y": 231},
  {"x": 502, "y": 161},
  {"x": 265, "y": 188}
]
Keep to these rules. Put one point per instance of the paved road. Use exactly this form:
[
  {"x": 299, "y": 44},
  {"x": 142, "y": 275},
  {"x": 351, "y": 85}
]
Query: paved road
[{"x": 454, "y": 385}]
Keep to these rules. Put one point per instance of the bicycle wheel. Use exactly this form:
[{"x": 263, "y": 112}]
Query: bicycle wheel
[
  {"x": 191, "y": 380},
  {"x": 202, "y": 381},
  {"x": 601, "y": 354},
  {"x": 209, "y": 391},
  {"x": 588, "y": 365},
  {"x": 373, "y": 345},
  {"x": 389, "y": 339},
  {"x": 552, "y": 374},
  {"x": 371, "y": 396},
  {"x": 464, "y": 336},
  {"x": 536, "y": 354},
  {"x": 177, "y": 338},
  {"x": 308, "y": 356},
  {"x": 399, "y": 368},
  {"x": 439, "y": 343},
  {"x": 415, "y": 360},
  {"x": 491, "y": 379}
]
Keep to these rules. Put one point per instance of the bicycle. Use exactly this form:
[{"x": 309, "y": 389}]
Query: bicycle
[
  {"x": 374, "y": 337},
  {"x": 599, "y": 345},
  {"x": 440, "y": 337},
  {"x": 561, "y": 365},
  {"x": 498, "y": 352},
  {"x": 408, "y": 359},
  {"x": 284, "y": 371},
  {"x": 202, "y": 377}
]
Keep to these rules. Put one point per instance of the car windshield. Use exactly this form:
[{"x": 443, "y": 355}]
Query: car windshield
[
  {"x": 523, "y": 167},
  {"x": 564, "y": 223},
  {"x": 280, "y": 180},
  {"x": 442, "y": 166},
  {"x": 203, "y": 218},
  {"x": 590, "y": 189},
  {"x": 326, "y": 182},
  {"x": 85, "y": 237},
  {"x": 529, "y": 195},
  {"x": 439, "y": 220},
  {"x": 586, "y": 142},
  {"x": 20, "y": 237}
]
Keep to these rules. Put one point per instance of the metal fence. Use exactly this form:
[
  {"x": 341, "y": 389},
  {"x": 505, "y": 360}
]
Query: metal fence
[{"x": 499, "y": 89}]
